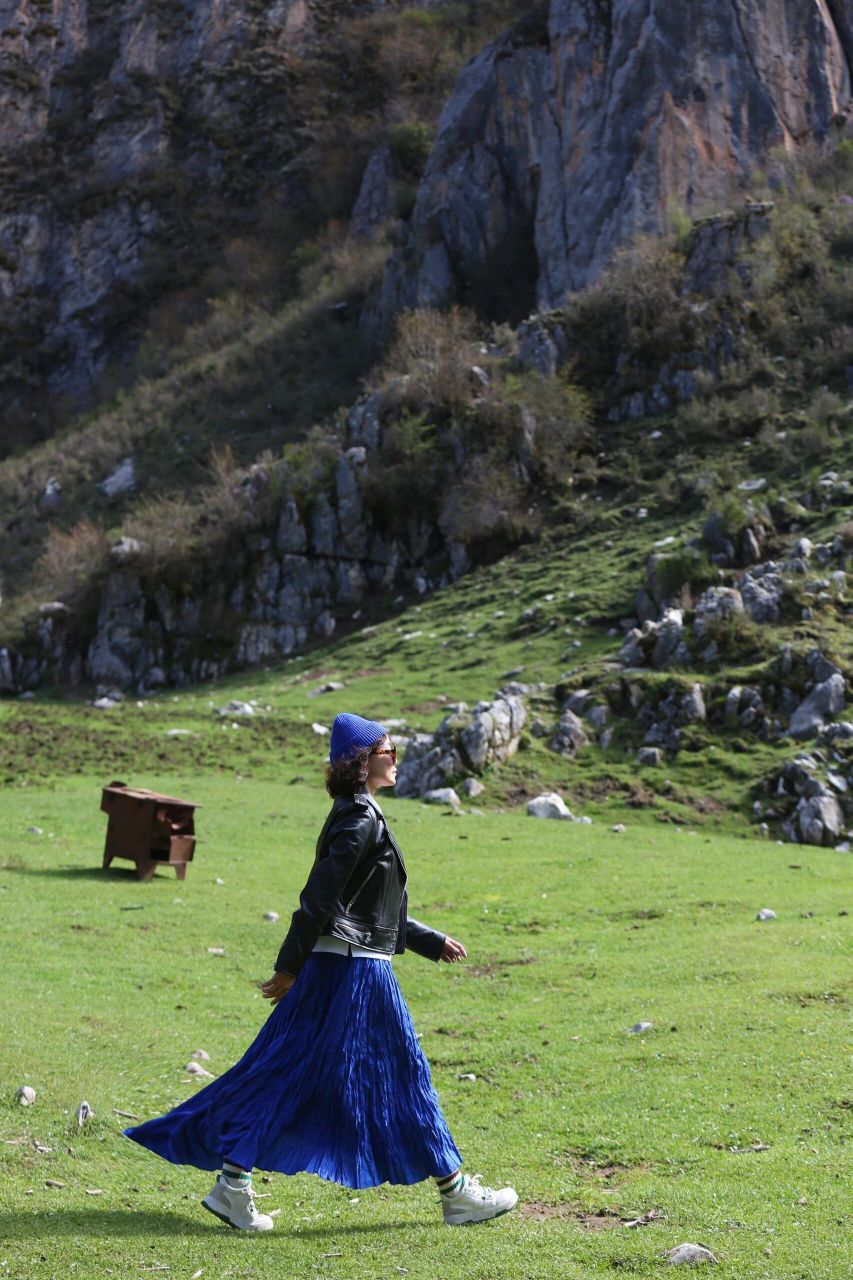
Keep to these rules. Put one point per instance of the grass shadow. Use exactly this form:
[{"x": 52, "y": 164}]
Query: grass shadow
[
  {"x": 81, "y": 873},
  {"x": 129, "y": 1223}
]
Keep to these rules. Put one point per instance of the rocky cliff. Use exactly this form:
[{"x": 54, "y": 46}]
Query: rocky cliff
[
  {"x": 137, "y": 140},
  {"x": 587, "y": 122}
]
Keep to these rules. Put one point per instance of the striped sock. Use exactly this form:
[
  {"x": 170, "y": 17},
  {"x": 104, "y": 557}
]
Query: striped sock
[
  {"x": 453, "y": 1183},
  {"x": 235, "y": 1176}
]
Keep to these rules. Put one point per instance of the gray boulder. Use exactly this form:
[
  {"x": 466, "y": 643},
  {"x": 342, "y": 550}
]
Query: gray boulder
[
  {"x": 714, "y": 603},
  {"x": 824, "y": 702},
  {"x": 549, "y": 805},
  {"x": 569, "y": 735},
  {"x": 821, "y": 819},
  {"x": 443, "y": 795},
  {"x": 762, "y": 594}
]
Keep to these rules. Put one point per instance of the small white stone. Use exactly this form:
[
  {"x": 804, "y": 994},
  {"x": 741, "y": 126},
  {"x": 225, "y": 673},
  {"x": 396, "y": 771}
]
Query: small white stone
[
  {"x": 640, "y": 1028},
  {"x": 26, "y": 1095},
  {"x": 766, "y": 914},
  {"x": 193, "y": 1069},
  {"x": 689, "y": 1254},
  {"x": 200, "y": 1055},
  {"x": 272, "y": 916},
  {"x": 319, "y": 728},
  {"x": 618, "y": 826},
  {"x": 216, "y": 951},
  {"x": 84, "y": 1113},
  {"x": 467, "y": 1075}
]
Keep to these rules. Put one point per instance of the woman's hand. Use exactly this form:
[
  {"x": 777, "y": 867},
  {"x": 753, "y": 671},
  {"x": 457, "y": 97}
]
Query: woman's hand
[
  {"x": 453, "y": 951},
  {"x": 277, "y": 987}
]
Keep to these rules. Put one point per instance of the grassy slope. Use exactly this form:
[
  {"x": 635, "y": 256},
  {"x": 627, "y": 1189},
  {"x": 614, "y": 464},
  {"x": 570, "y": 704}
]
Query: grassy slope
[{"x": 574, "y": 933}]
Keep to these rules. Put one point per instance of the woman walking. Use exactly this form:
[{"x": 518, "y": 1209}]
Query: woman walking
[{"x": 336, "y": 1082}]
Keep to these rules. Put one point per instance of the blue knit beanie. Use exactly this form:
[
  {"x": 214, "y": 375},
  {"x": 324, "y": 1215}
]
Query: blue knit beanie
[{"x": 351, "y": 734}]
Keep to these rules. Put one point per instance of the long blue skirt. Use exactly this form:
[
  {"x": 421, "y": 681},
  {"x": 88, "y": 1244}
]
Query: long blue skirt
[{"x": 335, "y": 1083}]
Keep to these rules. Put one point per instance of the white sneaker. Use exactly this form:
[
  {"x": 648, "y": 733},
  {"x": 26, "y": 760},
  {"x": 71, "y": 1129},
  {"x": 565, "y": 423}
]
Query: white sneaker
[
  {"x": 236, "y": 1206},
  {"x": 474, "y": 1203}
]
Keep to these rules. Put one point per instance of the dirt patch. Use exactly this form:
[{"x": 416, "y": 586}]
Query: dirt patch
[
  {"x": 641, "y": 797},
  {"x": 704, "y": 804},
  {"x": 535, "y": 1211}
]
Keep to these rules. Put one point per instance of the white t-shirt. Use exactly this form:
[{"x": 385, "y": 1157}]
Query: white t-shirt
[{"x": 337, "y": 945}]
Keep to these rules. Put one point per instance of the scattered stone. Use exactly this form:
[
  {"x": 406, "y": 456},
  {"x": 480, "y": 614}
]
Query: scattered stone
[
  {"x": 180, "y": 733},
  {"x": 320, "y": 729},
  {"x": 35, "y": 831},
  {"x": 200, "y": 1055},
  {"x": 50, "y": 498},
  {"x": 236, "y": 708},
  {"x": 216, "y": 951},
  {"x": 752, "y": 486},
  {"x": 272, "y": 916},
  {"x": 467, "y": 1075},
  {"x": 26, "y": 1095},
  {"x": 471, "y": 788},
  {"x": 53, "y": 1182},
  {"x": 762, "y": 590},
  {"x": 121, "y": 480},
  {"x": 194, "y": 1069},
  {"x": 650, "y": 756},
  {"x": 332, "y": 686},
  {"x": 619, "y": 827},
  {"x": 766, "y": 914},
  {"x": 549, "y": 805},
  {"x": 640, "y": 1028},
  {"x": 84, "y": 1112},
  {"x": 714, "y": 603},
  {"x": 125, "y": 549},
  {"x": 569, "y": 736},
  {"x": 442, "y": 795},
  {"x": 689, "y": 1255},
  {"x": 104, "y": 704}
]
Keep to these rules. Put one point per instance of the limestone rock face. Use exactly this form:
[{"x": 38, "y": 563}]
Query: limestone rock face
[
  {"x": 121, "y": 125},
  {"x": 577, "y": 128}
]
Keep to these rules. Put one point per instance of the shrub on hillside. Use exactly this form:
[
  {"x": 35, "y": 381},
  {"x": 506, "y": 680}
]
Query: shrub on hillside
[
  {"x": 428, "y": 366},
  {"x": 408, "y": 473},
  {"x": 71, "y": 559},
  {"x": 636, "y": 309}
]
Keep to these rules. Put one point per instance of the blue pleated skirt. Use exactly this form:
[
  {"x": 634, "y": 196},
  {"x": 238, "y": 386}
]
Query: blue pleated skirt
[{"x": 335, "y": 1083}]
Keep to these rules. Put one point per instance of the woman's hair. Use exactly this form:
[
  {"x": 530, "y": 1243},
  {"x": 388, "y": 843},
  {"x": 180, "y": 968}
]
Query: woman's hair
[{"x": 348, "y": 776}]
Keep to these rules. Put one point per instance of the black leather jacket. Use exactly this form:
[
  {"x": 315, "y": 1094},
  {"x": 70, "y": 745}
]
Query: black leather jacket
[{"x": 356, "y": 891}]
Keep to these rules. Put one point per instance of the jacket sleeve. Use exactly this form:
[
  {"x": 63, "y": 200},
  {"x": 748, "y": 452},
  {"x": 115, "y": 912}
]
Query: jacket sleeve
[
  {"x": 348, "y": 841},
  {"x": 423, "y": 940}
]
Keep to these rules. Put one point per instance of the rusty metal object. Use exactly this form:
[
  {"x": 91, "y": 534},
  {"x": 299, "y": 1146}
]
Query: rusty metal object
[{"x": 152, "y": 830}]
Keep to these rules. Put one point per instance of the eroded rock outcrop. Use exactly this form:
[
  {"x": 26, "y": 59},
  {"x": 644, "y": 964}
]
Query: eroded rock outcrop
[
  {"x": 466, "y": 742},
  {"x": 581, "y": 126}
]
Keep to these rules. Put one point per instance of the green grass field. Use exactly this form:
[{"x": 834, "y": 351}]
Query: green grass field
[{"x": 574, "y": 933}]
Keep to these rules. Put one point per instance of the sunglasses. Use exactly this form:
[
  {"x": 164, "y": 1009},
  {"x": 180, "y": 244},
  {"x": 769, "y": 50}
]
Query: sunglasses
[{"x": 387, "y": 751}]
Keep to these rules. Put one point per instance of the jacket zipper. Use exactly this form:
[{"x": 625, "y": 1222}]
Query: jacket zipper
[{"x": 361, "y": 886}]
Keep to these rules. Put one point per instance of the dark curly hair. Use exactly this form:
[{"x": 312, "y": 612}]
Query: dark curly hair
[{"x": 345, "y": 777}]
